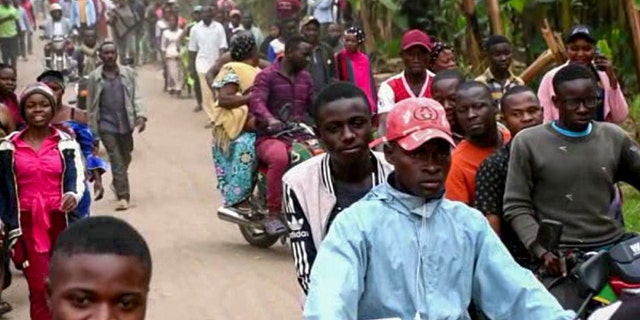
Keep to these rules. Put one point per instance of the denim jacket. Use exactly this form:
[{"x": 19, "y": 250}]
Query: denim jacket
[
  {"x": 133, "y": 99},
  {"x": 72, "y": 183},
  {"x": 393, "y": 255}
]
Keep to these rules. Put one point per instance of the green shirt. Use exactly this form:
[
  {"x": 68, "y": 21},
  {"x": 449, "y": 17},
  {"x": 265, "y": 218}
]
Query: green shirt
[{"x": 8, "y": 28}]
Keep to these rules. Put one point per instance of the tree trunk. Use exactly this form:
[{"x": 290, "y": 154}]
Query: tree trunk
[
  {"x": 365, "y": 17},
  {"x": 473, "y": 34},
  {"x": 494, "y": 15},
  {"x": 634, "y": 25}
]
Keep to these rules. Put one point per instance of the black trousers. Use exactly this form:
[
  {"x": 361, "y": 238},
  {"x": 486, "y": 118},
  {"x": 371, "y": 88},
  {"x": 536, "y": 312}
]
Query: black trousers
[{"x": 10, "y": 49}]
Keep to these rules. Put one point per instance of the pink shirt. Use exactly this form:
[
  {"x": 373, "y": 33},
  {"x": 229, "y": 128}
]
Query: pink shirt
[
  {"x": 39, "y": 182},
  {"x": 615, "y": 105}
]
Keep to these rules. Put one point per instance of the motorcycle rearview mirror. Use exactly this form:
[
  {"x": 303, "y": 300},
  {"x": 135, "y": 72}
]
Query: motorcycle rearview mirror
[
  {"x": 285, "y": 112},
  {"x": 593, "y": 275},
  {"x": 549, "y": 234}
]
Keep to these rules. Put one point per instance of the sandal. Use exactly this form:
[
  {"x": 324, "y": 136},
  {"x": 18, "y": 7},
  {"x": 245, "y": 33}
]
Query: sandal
[
  {"x": 5, "y": 307},
  {"x": 274, "y": 226}
]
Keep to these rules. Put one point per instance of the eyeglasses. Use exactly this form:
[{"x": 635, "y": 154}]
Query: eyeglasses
[{"x": 575, "y": 103}]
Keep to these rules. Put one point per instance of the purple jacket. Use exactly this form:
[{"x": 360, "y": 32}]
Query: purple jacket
[{"x": 272, "y": 90}]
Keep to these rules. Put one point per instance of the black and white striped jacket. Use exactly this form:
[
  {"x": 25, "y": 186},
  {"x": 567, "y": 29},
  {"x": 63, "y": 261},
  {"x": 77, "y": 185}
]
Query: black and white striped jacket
[{"x": 309, "y": 203}]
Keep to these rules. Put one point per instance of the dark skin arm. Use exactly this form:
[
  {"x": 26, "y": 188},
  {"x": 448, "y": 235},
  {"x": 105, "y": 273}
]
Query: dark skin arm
[
  {"x": 228, "y": 99},
  {"x": 494, "y": 222},
  {"x": 224, "y": 59},
  {"x": 6, "y": 120}
]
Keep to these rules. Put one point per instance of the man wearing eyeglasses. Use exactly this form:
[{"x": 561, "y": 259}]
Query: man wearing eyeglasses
[{"x": 564, "y": 171}]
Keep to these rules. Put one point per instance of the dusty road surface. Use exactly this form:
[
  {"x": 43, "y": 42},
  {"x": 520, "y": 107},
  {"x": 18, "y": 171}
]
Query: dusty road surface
[{"x": 203, "y": 269}]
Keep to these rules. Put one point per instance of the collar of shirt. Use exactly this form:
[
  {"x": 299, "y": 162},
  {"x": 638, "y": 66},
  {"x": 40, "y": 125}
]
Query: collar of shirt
[
  {"x": 378, "y": 175},
  {"x": 55, "y": 137},
  {"x": 490, "y": 78},
  {"x": 406, "y": 203}
]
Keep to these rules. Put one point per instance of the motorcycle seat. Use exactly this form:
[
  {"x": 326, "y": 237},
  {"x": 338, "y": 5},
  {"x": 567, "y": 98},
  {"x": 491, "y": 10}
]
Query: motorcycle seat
[{"x": 625, "y": 257}]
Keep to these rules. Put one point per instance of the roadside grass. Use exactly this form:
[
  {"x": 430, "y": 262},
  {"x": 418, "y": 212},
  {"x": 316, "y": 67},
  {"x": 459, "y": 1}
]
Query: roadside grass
[{"x": 631, "y": 208}]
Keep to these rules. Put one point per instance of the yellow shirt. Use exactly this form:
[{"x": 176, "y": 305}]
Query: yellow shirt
[{"x": 82, "y": 7}]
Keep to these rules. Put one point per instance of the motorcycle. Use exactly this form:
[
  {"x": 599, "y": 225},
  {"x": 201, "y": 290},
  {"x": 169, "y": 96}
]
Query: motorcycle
[
  {"x": 604, "y": 277},
  {"x": 304, "y": 145},
  {"x": 59, "y": 58}
]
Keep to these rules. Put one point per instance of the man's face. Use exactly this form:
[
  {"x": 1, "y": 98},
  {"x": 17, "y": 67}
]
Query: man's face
[
  {"x": 344, "y": 127},
  {"x": 196, "y": 16},
  {"x": 247, "y": 21},
  {"x": 415, "y": 59},
  {"x": 577, "y": 101},
  {"x": 334, "y": 31},
  {"x": 235, "y": 20},
  {"x": 311, "y": 32},
  {"x": 56, "y": 15},
  {"x": 444, "y": 91},
  {"x": 207, "y": 15},
  {"x": 109, "y": 55},
  {"x": 97, "y": 286},
  {"x": 57, "y": 90},
  {"x": 521, "y": 111},
  {"x": 300, "y": 56},
  {"x": 475, "y": 111},
  {"x": 290, "y": 29},
  {"x": 422, "y": 171},
  {"x": 500, "y": 57},
  {"x": 90, "y": 38},
  {"x": 7, "y": 81}
]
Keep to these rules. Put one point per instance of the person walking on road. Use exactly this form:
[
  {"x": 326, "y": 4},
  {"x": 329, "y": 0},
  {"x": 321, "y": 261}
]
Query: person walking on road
[
  {"x": 115, "y": 109},
  {"x": 353, "y": 65},
  {"x": 207, "y": 41},
  {"x": 9, "y": 32},
  {"x": 43, "y": 174},
  {"x": 123, "y": 23},
  {"x": 8, "y": 97},
  {"x": 170, "y": 45}
]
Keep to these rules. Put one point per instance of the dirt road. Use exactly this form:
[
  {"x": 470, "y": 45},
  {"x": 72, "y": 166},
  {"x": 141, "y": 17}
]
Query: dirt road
[{"x": 203, "y": 269}]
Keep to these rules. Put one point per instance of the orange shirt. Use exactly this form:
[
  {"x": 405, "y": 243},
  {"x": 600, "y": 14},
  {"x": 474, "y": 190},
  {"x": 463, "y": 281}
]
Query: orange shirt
[{"x": 461, "y": 181}]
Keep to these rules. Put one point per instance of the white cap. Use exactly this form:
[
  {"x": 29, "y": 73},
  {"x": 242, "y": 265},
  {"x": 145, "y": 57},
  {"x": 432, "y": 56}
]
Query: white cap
[
  {"x": 172, "y": 1},
  {"x": 55, "y": 6}
]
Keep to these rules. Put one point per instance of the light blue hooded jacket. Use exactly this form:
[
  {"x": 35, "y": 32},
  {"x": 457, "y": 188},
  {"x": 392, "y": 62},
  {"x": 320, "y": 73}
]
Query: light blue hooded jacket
[{"x": 391, "y": 255}]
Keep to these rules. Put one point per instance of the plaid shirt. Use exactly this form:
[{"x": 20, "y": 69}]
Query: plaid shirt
[{"x": 497, "y": 89}]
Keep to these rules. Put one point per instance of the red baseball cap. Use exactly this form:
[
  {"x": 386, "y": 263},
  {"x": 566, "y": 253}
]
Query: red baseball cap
[
  {"x": 415, "y": 37},
  {"x": 412, "y": 122},
  {"x": 287, "y": 8}
]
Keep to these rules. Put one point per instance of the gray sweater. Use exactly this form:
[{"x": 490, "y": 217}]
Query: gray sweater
[{"x": 552, "y": 176}]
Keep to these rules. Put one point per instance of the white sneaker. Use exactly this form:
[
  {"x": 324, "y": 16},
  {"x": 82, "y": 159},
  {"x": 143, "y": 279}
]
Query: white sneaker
[{"x": 123, "y": 205}]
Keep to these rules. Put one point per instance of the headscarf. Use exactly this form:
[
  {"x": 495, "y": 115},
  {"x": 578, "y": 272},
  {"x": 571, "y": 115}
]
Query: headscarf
[
  {"x": 52, "y": 76},
  {"x": 241, "y": 46},
  {"x": 40, "y": 88},
  {"x": 437, "y": 48},
  {"x": 358, "y": 32}
]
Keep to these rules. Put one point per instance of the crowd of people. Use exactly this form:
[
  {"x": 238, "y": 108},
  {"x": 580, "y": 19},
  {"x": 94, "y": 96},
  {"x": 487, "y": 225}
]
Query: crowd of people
[{"x": 437, "y": 218}]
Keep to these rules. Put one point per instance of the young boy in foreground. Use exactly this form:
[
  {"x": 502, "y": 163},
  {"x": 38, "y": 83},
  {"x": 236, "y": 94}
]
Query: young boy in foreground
[{"x": 100, "y": 269}]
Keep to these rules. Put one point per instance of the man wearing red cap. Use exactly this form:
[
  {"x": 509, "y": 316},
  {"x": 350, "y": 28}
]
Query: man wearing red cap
[
  {"x": 288, "y": 9},
  {"x": 405, "y": 252},
  {"x": 414, "y": 81}
]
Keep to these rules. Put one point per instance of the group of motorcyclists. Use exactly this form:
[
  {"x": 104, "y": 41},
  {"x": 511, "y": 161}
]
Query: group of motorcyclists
[{"x": 349, "y": 203}]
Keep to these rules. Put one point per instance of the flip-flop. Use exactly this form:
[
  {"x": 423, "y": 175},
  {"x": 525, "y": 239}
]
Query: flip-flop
[{"x": 274, "y": 226}]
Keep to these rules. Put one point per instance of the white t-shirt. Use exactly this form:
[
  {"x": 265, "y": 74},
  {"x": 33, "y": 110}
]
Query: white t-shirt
[
  {"x": 207, "y": 41},
  {"x": 58, "y": 29},
  {"x": 171, "y": 43}
]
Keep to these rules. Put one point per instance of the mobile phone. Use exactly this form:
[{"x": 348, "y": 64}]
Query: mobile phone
[{"x": 598, "y": 55}]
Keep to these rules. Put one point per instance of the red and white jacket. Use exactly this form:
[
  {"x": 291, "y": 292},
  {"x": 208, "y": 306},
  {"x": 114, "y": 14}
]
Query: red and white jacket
[{"x": 396, "y": 89}]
